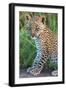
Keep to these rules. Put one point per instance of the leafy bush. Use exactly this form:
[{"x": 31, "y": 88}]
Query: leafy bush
[
  {"x": 52, "y": 22},
  {"x": 27, "y": 48}
]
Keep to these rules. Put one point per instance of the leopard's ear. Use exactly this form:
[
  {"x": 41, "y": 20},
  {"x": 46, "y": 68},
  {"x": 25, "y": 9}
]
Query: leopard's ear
[
  {"x": 43, "y": 19},
  {"x": 28, "y": 17}
]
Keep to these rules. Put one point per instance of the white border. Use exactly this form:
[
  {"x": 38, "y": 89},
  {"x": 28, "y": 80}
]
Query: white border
[{"x": 39, "y": 79}]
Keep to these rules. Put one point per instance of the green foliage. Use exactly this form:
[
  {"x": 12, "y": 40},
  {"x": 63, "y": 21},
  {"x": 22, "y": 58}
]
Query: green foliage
[
  {"x": 51, "y": 65},
  {"x": 27, "y": 48},
  {"x": 52, "y": 22}
]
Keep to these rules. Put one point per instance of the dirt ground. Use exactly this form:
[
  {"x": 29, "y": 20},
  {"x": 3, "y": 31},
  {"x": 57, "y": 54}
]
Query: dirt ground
[{"x": 23, "y": 74}]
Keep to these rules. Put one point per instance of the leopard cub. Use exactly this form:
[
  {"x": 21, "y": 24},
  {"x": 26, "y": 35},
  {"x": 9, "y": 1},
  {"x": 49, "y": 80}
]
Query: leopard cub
[{"x": 46, "y": 44}]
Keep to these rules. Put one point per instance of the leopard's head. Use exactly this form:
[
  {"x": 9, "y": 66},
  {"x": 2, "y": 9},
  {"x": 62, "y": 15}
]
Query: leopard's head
[{"x": 37, "y": 24}]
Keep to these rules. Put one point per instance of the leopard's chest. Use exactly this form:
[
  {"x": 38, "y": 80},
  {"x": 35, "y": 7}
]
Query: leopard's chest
[{"x": 39, "y": 49}]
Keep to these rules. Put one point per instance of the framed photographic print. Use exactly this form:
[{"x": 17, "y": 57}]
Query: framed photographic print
[{"x": 36, "y": 44}]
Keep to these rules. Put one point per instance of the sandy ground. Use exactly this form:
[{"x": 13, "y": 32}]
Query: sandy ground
[{"x": 24, "y": 74}]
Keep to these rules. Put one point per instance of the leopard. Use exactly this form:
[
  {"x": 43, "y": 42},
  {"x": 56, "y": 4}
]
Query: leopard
[{"x": 46, "y": 42}]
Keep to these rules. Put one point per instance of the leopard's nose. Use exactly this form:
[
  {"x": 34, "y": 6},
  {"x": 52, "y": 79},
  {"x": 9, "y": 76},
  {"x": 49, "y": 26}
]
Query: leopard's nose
[{"x": 33, "y": 35}]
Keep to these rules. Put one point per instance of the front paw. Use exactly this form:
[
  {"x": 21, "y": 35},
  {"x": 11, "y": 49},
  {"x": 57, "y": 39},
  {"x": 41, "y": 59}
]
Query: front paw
[
  {"x": 32, "y": 71},
  {"x": 28, "y": 70}
]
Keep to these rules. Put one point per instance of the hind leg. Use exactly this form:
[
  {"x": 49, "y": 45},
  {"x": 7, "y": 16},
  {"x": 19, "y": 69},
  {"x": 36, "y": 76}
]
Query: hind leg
[
  {"x": 54, "y": 61},
  {"x": 54, "y": 73},
  {"x": 34, "y": 70}
]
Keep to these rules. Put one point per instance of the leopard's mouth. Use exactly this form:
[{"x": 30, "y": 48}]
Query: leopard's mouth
[{"x": 35, "y": 34}]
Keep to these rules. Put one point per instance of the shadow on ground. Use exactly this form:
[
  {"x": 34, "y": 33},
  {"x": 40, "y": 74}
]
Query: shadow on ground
[{"x": 23, "y": 74}]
